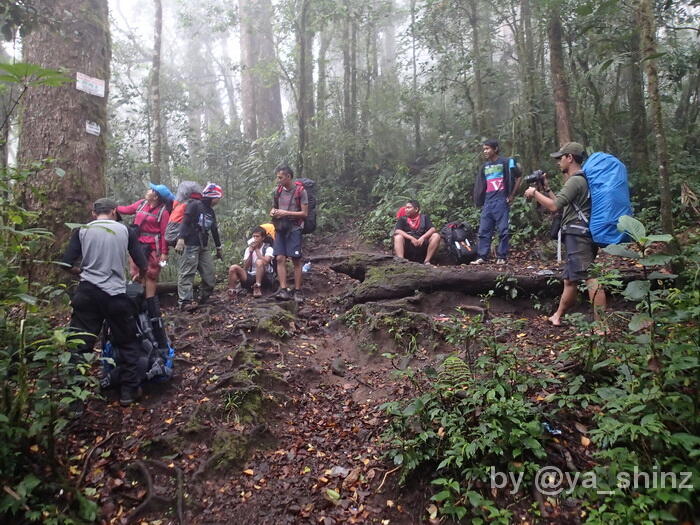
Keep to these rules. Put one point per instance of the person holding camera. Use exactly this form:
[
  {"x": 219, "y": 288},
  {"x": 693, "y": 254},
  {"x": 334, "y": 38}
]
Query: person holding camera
[
  {"x": 574, "y": 200},
  {"x": 496, "y": 184}
]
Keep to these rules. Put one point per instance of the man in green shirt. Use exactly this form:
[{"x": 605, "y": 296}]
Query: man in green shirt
[{"x": 574, "y": 200}]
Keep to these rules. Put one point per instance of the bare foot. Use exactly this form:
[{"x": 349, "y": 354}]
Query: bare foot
[{"x": 555, "y": 320}]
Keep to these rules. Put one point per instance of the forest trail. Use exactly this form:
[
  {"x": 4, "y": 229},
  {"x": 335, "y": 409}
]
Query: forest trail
[{"x": 274, "y": 413}]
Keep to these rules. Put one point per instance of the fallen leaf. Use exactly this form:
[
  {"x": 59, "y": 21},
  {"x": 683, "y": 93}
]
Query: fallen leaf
[
  {"x": 585, "y": 441},
  {"x": 248, "y": 472}
]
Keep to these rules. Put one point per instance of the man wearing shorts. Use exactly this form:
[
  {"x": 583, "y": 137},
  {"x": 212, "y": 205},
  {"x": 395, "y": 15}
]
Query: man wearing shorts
[
  {"x": 415, "y": 237},
  {"x": 257, "y": 270},
  {"x": 575, "y": 201},
  {"x": 290, "y": 208}
]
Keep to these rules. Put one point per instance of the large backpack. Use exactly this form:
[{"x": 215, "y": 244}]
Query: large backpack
[
  {"x": 310, "y": 187},
  {"x": 460, "y": 242},
  {"x": 183, "y": 196},
  {"x": 610, "y": 197},
  {"x": 156, "y": 363}
]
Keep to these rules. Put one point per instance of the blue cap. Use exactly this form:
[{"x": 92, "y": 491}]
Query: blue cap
[{"x": 163, "y": 191}]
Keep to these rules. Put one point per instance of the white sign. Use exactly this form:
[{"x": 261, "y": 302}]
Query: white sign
[
  {"x": 93, "y": 86},
  {"x": 93, "y": 128}
]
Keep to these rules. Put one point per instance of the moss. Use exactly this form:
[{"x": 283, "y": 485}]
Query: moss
[
  {"x": 230, "y": 449},
  {"x": 397, "y": 272},
  {"x": 276, "y": 322}
]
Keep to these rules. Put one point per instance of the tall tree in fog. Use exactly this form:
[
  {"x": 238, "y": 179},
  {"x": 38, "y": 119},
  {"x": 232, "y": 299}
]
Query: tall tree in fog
[
  {"x": 155, "y": 94},
  {"x": 55, "y": 120},
  {"x": 260, "y": 88},
  {"x": 560, "y": 86}
]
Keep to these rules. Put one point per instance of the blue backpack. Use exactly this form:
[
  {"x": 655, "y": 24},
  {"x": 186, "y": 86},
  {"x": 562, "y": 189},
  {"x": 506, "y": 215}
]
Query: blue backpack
[{"x": 610, "y": 197}]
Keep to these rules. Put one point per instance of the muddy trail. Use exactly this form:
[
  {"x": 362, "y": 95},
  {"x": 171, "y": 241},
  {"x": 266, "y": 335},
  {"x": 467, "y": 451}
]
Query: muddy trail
[{"x": 274, "y": 414}]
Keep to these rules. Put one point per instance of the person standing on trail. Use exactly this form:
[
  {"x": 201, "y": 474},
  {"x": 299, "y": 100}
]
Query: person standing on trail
[
  {"x": 497, "y": 181},
  {"x": 101, "y": 294},
  {"x": 151, "y": 220},
  {"x": 575, "y": 201},
  {"x": 415, "y": 237},
  {"x": 289, "y": 209},
  {"x": 199, "y": 220}
]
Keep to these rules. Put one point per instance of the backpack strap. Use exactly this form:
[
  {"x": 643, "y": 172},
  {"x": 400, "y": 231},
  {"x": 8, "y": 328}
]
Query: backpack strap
[
  {"x": 297, "y": 192},
  {"x": 580, "y": 213}
]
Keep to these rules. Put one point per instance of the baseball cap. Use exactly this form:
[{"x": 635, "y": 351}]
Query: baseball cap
[
  {"x": 105, "y": 205},
  {"x": 570, "y": 148},
  {"x": 163, "y": 191}
]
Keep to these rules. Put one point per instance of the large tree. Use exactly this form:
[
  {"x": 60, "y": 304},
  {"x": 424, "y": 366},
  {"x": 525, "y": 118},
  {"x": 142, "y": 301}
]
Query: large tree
[{"x": 64, "y": 123}]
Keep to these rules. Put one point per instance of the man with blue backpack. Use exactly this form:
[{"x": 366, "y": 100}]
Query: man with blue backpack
[{"x": 574, "y": 199}]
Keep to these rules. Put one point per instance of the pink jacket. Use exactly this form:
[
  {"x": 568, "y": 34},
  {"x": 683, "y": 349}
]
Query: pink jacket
[{"x": 147, "y": 220}]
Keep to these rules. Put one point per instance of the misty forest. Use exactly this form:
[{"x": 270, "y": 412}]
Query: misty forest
[{"x": 376, "y": 389}]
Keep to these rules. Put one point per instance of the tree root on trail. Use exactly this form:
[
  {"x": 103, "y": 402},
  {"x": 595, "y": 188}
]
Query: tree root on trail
[
  {"x": 88, "y": 456},
  {"x": 152, "y": 496}
]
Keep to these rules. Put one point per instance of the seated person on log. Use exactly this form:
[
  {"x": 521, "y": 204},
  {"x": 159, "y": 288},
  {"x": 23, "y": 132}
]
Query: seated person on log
[
  {"x": 415, "y": 237},
  {"x": 257, "y": 270}
]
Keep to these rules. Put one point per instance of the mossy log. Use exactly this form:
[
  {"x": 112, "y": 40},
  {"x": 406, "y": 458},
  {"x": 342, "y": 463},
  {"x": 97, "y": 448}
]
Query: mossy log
[{"x": 384, "y": 277}]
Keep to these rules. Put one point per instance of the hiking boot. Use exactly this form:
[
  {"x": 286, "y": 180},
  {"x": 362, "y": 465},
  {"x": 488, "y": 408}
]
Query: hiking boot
[
  {"x": 257, "y": 290},
  {"x": 129, "y": 395},
  {"x": 478, "y": 261},
  {"x": 298, "y": 296},
  {"x": 501, "y": 262},
  {"x": 282, "y": 294}
]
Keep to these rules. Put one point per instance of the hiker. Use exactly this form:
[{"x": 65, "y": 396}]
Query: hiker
[
  {"x": 290, "y": 208},
  {"x": 150, "y": 221},
  {"x": 575, "y": 201},
  {"x": 257, "y": 270},
  {"x": 101, "y": 293},
  {"x": 415, "y": 237},
  {"x": 199, "y": 220},
  {"x": 497, "y": 181}
]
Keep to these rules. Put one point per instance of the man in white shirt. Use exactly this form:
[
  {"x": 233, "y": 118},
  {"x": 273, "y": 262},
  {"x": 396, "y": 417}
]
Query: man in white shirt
[{"x": 257, "y": 267}]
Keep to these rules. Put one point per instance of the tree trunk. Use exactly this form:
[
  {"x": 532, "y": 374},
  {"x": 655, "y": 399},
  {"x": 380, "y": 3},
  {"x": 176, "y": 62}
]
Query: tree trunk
[
  {"x": 479, "y": 102},
  {"x": 305, "y": 88},
  {"x": 249, "y": 58},
  {"x": 639, "y": 164},
  {"x": 53, "y": 123},
  {"x": 6, "y": 94},
  {"x": 195, "y": 146},
  {"x": 268, "y": 103},
  {"x": 648, "y": 26},
  {"x": 322, "y": 84},
  {"x": 414, "y": 83},
  {"x": 155, "y": 94},
  {"x": 347, "y": 88},
  {"x": 387, "y": 61},
  {"x": 559, "y": 83}
]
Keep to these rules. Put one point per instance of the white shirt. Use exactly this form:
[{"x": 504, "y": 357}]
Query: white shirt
[{"x": 266, "y": 251}]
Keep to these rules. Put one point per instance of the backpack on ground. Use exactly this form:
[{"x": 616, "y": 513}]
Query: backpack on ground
[
  {"x": 610, "y": 197},
  {"x": 310, "y": 187},
  {"x": 157, "y": 363},
  {"x": 184, "y": 195},
  {"x": 460, "y": 242}
]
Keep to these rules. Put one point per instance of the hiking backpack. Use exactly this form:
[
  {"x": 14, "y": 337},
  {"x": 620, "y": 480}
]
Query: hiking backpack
[
  {"x": 460, "y": 242},
  {"x": 183, "y": 196},
  {"x": 310, "y": 187},
  {"x": 157, "y": 363},
  {"x": 610, "y": 197}
]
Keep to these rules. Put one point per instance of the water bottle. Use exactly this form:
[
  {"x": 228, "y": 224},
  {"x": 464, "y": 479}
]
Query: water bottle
[{"x": 307, "y": 267}]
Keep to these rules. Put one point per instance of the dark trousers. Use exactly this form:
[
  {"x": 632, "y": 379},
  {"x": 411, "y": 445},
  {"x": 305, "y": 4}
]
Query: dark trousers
[
  {"x": 494, "y": 216},
  {"x": 91, "y": 307}
]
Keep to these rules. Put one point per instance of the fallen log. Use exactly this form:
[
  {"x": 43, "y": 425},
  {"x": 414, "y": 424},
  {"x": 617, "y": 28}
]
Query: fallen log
[{"x": 384, "y": 277}]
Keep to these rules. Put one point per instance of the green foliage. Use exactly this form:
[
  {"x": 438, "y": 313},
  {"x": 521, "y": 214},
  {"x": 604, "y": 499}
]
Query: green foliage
[{"x": 41, "y": 387}]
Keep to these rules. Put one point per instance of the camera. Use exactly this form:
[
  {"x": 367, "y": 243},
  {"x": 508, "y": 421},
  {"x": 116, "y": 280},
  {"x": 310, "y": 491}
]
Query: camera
[{"x": 536, "y": 177}]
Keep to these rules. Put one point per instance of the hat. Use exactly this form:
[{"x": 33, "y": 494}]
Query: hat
[
  {"x": 163, "y": 191},
  {"x": 213, "y": 191},
  {"x": 570, "y": 148},
  {"x": 105, "y": 205}
]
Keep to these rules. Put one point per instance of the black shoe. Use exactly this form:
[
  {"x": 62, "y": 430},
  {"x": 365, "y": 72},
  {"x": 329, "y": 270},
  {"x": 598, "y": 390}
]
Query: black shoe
[
  {"x": 298, "y": 296},
  {"x": 130, "y": 395},
  {"x": 282, "y": 295}
]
